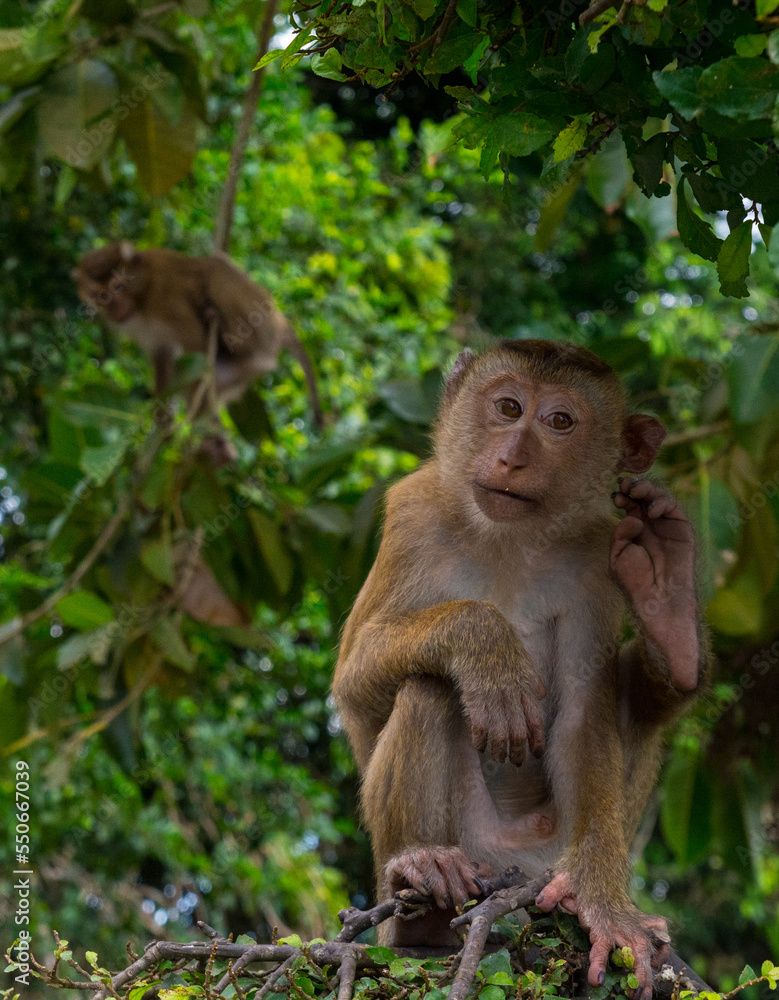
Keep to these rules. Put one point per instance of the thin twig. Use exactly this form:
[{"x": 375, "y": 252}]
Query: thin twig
[
  {"x": 206, "y": 384},
  {"x": 18, "y": 625},
  {"x": 696, "y": 433},
  {"x": 595, "y": 9},
  {"x": 107, "y": 717},
  {"x": 246, "y": 959},
  {"x": 224, "y": 218}
]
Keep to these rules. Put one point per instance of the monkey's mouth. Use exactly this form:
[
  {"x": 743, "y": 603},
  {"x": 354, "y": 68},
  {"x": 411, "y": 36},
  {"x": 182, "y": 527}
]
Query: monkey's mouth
[{"x": 504, "y": 493}]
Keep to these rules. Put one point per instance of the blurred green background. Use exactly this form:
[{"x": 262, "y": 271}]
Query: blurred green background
[{"x": 183, "y": 770}]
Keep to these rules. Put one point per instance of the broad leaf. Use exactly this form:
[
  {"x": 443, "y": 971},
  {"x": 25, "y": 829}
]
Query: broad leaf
[
  {"x": 77, "y": 113},
  {"x": 84, "y": 610},
  {"x": 695, "y": 233},
  {"x": 733, "y": 261}
]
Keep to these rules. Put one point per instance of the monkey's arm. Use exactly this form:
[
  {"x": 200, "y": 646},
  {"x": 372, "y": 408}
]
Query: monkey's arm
[{"x": 470, "y": 643}]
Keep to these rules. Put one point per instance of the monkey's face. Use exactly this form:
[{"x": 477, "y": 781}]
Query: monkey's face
[
  {"x": 105, "y": 282},
  {"x": 533, "y": 443}
]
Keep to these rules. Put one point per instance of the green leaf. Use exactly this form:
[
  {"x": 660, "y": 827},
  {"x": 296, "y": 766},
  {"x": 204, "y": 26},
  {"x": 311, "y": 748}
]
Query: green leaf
[
  {"x": 453, "y": 51},
  {"x": 274, "y": 550},
  {"x": 76, "y": 116},
  {"x": 100, "y": 463},
  {"x": 553, "y": 211},
  {"x": 473, "y": 62},
  {"x": 738, "y": 88},
  {"x": 752, "y": 45},
  {"x": 426, "y": 8},
  {"x": 695, "y": 233},
  {"x": 680, "y": 88},
  {"x": 609, "y": 174},
  {"x": 647, "y": 159},
  {"x": 570, "y": 140},
  {"x": 748, "y": 974},
  {"x": 753, "y": 377},
  {"x": 269, "y": 57},
  {"x": 168, "y": 640},
  {"x": 492, "y": 993},
  {"x": 91, "y": 957},
  {"x": 293, "y": 940},
  {"x": 733, "y": 261},
  {"x": 297, "y": 44},
  {"x": 305, "y": 984},
  {"x": 764, "y": 8},
  {"x": 157, "y": 557},
  {"x": 468, "y": 11},
  {"x": 328, "y": 65},
  {"x": 95, "y": 645},
  {"x": 502, "y": 979},
  {"x": 498, "y": 962},
  {"x": 522, "y": 133},
  {"x": 382, "y": 956},
  {"x": 161, "y": 149},
  {"x": 677, "y": 803},
  {"x": 84, "y": 610}
]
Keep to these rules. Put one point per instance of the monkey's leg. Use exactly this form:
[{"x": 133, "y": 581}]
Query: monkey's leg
[{"x": 432, "y": 820}]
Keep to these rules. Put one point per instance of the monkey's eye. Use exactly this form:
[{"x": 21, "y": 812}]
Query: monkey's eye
[
  {"x": 560, "y": 421},
  {"x": 509, "y": 408}
]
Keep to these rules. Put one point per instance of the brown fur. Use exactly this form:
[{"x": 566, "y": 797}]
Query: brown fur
[
  {"x": 166, "y": 301},
  {"x": 492, "y": 583}
]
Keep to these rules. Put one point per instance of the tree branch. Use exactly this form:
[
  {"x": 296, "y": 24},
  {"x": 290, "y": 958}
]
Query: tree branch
[{"x": 224, "y": 218}]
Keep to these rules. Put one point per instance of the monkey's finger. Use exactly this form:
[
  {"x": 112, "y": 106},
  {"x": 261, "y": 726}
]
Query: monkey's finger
[
  {"x": 638, "y": 489},
  {"x": 499, "y": 745},
  {"x": 558, "y": 889},
  {"x": 517, "y": 752},
  {"x": 599, "y": 956},
  {"x": 479, "y": 736},
  {"x": 535, "y": 725}
]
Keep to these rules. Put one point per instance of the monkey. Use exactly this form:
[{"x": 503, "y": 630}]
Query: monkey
[
  {"x": 166, "y": 301},
  {"x": 495, "y": 715}
]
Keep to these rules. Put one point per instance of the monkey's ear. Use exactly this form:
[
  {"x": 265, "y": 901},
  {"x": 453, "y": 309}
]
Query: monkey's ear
[
  {"x": 126, "y": 250},
  {"x": 464, "y": 361},
  {"x": 642, "y": 436}
]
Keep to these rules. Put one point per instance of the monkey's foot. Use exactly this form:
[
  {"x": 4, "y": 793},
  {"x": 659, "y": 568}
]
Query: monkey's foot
[
  {"x": 444, "y": 873},
  {"x": 646, "y": 935}
]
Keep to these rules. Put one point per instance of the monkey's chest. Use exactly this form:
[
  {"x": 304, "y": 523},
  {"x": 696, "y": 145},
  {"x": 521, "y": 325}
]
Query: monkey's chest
[{"x": 149, "y": 333}]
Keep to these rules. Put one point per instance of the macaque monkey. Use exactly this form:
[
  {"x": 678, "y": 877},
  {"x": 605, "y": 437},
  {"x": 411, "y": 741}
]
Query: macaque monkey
[
  {"x": 495, "y": 716},
  {"x": 166, "y": 302}
]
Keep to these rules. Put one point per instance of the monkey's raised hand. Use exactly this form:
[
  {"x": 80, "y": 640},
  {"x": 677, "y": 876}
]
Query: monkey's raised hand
[
  {"x": 653, "y": 557},
  {"x": 506, "y": 715}
]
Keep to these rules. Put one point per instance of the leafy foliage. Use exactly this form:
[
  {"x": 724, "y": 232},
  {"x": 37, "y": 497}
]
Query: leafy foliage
[{"x": 686, "y": 87}]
